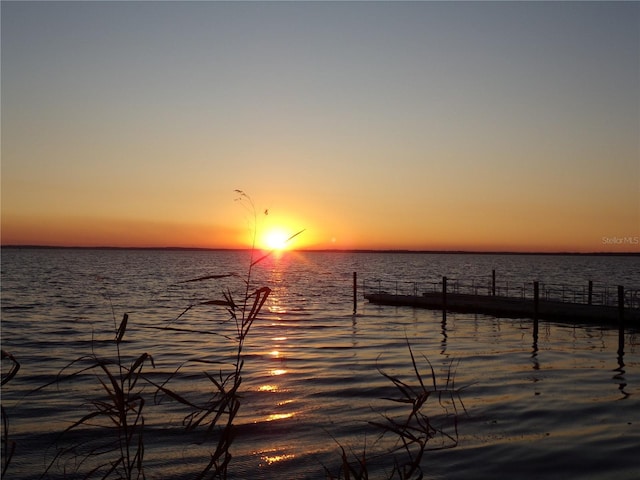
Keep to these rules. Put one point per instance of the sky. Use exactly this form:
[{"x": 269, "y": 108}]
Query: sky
[{"x": 506, "y": 126}]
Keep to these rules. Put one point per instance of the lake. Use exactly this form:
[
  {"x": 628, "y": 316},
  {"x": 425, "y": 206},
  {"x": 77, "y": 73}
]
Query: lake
[{"x": 505, "y": 404}]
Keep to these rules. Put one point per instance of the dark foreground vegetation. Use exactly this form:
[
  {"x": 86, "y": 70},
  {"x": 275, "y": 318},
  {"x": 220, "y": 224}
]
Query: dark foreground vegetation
[{"x": 129, "y": 390}]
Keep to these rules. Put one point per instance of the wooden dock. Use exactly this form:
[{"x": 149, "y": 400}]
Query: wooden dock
[
  {"x": 511, "y": 307},
  {"x": 608, "y": 306}
]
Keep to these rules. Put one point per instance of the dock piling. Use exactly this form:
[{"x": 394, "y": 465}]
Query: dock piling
[
  {"x": 493, "y": 283},
  {"x": 536, "y": 302},
  {"x": 444, "y": 293},
  {"x": 355, "y": 292},
  {"x": 620, "y": 319},
  {"x": 590, "y": 295}
]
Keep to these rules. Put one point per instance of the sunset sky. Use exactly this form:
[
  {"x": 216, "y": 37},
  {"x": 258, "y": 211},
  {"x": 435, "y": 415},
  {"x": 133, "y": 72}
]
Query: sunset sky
[{"x": 372, "y": 125}]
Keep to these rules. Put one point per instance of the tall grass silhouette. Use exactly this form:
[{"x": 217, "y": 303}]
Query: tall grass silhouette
[
  {"x": 220, "y": 411},
  {"x": 421, "y": 429},
  {"x": 118, "y": 413},
  {"x": 8, "y": 445},
  {"x": 126, "y": 388}
]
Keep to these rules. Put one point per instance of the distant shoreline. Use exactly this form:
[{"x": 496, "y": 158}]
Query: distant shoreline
[{"x": 310, "y": 250}]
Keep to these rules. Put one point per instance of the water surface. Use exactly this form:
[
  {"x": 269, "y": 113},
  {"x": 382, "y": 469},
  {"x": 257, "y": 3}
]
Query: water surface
[{"x": 565, "y": 404}]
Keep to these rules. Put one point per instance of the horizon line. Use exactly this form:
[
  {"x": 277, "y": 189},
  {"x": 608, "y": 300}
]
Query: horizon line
[{"x": 326, "y": 250}]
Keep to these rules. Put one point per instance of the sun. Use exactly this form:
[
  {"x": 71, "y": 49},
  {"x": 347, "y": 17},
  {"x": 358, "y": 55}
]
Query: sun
[{"x": 275, "y": 239}]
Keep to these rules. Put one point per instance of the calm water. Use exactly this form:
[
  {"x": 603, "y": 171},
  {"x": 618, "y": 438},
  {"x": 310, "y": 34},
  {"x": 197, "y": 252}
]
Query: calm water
[{"x": 566, "y": 406}]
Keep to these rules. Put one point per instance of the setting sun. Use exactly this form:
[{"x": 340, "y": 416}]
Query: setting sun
[{"x": 275, "y": 239}]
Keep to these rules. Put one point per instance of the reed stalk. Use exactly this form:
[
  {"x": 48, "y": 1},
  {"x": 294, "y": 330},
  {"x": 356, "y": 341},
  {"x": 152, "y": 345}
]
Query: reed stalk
[
  {"x": 413, "y": 434},
  {"x": 219, "y": 413},
  {"x": 8, "y": 445},
  {"x": 120, "y": 410},
  {"x": 119, "y": 413}
]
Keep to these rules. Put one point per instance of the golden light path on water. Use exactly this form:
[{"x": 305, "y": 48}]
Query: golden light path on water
[
  {"x": 278, "y": 454},
  {"x": 274, "y": 458},
  {"x": 275, "y": 388},
  {"x": 279, "y": 416}
]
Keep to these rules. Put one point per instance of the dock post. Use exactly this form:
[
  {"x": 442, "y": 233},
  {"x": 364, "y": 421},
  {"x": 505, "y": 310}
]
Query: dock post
[
  {"x": 493, "y": 283},
  {"x": 355, "y": 292},
  {"x": 444, "y": 293},
  {"x": 444, "y": 301},
  {"x": 620, "y": 319},
  {"x": 590, "y": 297},
  {"x": 536, "y": 299}
]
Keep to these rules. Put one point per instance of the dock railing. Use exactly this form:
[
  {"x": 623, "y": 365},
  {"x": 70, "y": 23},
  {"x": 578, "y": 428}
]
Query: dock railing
[{"x": 591, "y": 293}]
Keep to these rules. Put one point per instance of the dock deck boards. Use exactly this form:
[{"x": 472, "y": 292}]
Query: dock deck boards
[{"x": 511, "y": 307}]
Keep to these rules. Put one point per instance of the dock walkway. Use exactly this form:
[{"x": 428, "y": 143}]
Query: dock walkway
[
  {"x": 510, "y": 307},
  {"x": 534, "y": 302}
]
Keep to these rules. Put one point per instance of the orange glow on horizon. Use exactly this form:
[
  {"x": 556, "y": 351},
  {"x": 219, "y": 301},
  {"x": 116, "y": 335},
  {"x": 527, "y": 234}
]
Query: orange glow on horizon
[
  {"x": 123, "y": 233},
  {"x": 323, "y": 233}
]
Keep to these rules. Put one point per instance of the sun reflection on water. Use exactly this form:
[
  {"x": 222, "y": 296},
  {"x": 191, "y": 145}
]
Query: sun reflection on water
[
  {"x": 279, "y": 416},
  {"x": 268, "y": 388},
  {"x": 277, "y": 309},
  {"x": 273, "y": 456},
  {"x": 277, "y": 353}
]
